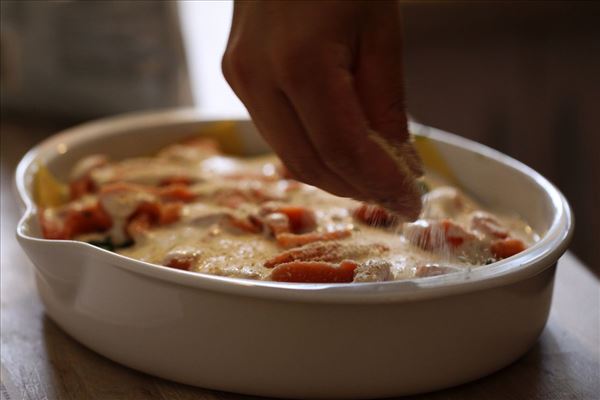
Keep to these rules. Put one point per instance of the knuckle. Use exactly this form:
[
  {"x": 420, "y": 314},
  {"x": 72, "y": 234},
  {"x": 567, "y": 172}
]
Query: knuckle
[{"x": 237, "y": 69}]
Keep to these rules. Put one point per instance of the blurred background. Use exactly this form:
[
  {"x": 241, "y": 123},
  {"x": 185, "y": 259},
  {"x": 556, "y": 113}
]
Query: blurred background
[{"x": 522, "y": 77}]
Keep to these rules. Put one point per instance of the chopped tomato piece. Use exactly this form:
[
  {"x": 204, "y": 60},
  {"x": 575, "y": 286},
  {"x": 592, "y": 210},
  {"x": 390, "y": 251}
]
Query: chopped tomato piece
[
  {"x": 314, "y": 272},
  {"x": 301, "y": 219},
  {"x": 504, "y": 248},
  {"x": 294, "y": 240},
  {"x": 375, "y": 215}
]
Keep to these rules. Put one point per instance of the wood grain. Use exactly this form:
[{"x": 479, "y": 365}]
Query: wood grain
[{"x": 40, "y": 361}]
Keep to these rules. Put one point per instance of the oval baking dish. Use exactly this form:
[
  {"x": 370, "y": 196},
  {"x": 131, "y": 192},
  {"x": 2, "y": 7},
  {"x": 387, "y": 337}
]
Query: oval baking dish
[{"x": 297, "y": 340}]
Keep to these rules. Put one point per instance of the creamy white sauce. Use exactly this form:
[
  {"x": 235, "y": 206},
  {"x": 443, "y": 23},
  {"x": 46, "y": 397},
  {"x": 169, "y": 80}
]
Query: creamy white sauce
[{"x": 203, "y": 236}]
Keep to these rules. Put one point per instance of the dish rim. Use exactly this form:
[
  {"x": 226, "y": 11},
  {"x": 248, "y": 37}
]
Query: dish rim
[{"x": 543, "y": 254}]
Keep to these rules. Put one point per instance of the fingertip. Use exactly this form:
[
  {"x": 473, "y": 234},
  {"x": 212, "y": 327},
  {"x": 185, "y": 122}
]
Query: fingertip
[{"x": 408, "y": 205}]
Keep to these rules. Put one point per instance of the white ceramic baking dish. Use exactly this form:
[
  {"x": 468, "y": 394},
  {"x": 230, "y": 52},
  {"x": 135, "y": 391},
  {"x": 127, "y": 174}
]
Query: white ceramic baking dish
[{"x": 298, "y": 340}]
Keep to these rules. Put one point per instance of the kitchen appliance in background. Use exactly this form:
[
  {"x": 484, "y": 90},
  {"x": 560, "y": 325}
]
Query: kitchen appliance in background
[{"x": 84, "y": 59}]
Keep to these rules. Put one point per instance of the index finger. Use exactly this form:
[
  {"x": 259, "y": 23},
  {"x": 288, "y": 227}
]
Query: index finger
[{"x": 322, "y": 90}]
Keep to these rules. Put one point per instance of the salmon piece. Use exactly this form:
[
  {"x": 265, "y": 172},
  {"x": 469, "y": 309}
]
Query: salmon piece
[
  {"x": 455, "y": 234},
  {"x": 437, "y": 235},
  {"x": 311, "y": 252},
  {"x": 301, "y": 219},
  {"x": 375, "y": 216},
  {"x": 504, "y": 248},
  {"x": 314, "y": 272},
  {"x": 74, "y": 222},
  {"x": 288, "y": 219},
  {"x": 325, "y": 251},
  {"x": 150, "y": 214},
  {"x": 293, "y": 240}
]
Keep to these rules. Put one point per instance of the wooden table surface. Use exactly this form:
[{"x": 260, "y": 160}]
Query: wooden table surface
[{"x": 39, "y": 361}]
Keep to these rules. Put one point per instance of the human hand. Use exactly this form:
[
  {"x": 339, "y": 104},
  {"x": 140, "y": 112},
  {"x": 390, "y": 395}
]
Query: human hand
[{"x": 323, "y": 84}]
